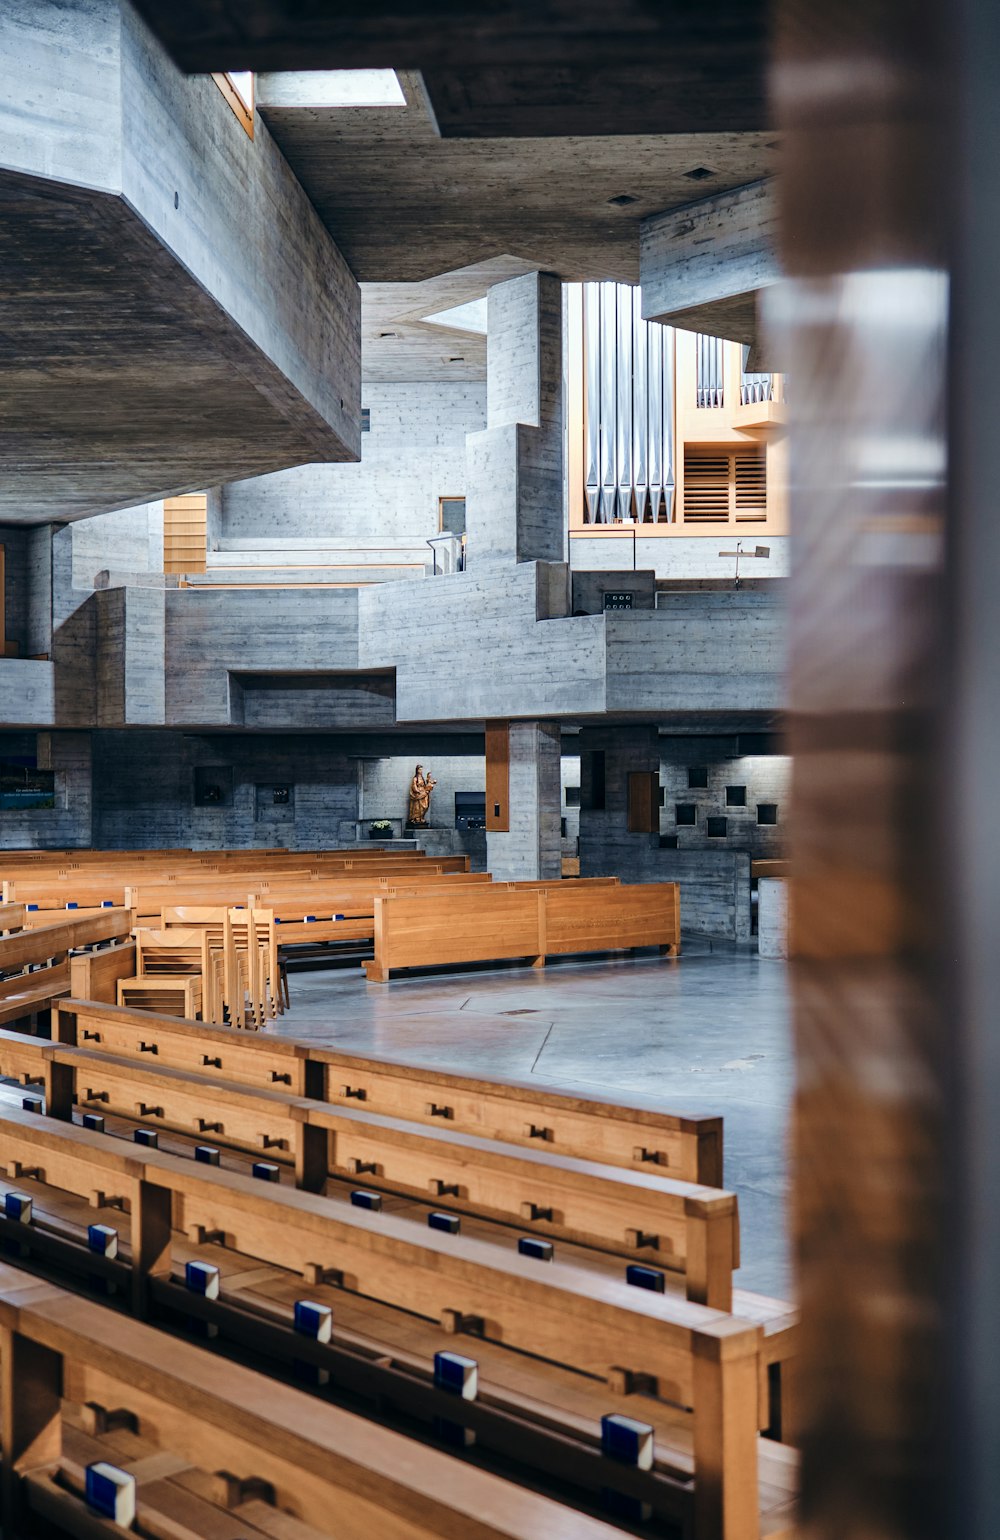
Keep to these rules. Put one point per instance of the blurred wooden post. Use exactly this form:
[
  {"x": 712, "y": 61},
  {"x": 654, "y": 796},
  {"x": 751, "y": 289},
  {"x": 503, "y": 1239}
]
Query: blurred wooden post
[{"x": 862, "y": 95}]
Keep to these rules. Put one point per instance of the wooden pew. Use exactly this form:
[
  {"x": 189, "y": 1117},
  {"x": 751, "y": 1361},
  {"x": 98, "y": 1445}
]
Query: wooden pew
[
  {"x": 689, "y": 1232},
  {"x": 47, "y": 949},
  {"x": 698, "y": 1359},
  {"x": 95, "y": 975},
  {"x": 687, "y": 1146},
  {"x": 494, "y": 924},
  {"x": 219, "y": 1449},
  {"x": 11, "y": 918}
]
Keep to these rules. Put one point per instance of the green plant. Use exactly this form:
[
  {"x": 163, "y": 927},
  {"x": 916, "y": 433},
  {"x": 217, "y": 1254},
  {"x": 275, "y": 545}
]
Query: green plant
[{"x": 380, "y": 824}]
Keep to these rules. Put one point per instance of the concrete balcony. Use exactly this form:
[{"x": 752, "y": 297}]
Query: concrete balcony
[{"x": 456, "y": 649}]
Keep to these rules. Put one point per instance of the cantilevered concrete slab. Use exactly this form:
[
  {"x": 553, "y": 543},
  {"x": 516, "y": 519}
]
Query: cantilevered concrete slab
[
  {"x": 517, "y": 69},
  {"x": 175, "y": 315},
  {"x": 403, "y": 204},
  {"x": 701, "y": 267}
]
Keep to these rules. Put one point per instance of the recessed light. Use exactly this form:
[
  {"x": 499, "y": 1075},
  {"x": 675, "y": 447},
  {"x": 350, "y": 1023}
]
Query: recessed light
[
  {"x": 458, "y": 360},
  {"x": 699, "y": 173},
  {"x": 623, "y": 200}
]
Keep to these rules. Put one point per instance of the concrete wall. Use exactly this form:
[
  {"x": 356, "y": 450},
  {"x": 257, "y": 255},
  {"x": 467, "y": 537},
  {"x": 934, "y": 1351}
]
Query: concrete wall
[
  {"x": 211, "y": 636},
  {"x": 231, "y": 211},
  {"x": 414, "y": 454},
  {"x": 130, "y": 540},
  {"x": 714, "y": 873},
  {"x": 766, "y": 779},
  {"x": 678, "y": 556},
  {"x": 144, "y": 791},
  {"x": 69, "y": 822},
  {"x": 60, "y": 109}
]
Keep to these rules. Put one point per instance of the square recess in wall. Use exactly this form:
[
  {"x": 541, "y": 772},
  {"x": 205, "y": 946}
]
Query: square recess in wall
[
  {"x": 736, "y": 796},
  {"x": 213, "y": 785},
  {"x": 685, "y": 815},
  {"x": 572, "y": 796},
  {"x": 716, "y": 828},
  {"x": 767, "y": 812},
  {"x": 668, "y": 841},
  {"x": 697, "y": 777}
]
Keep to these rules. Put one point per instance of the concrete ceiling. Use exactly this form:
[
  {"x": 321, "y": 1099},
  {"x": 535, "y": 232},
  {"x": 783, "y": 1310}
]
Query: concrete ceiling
[
  {"x": 405, "y": 205},
  {"x": 121, "y": 380},
  {"x": 398, "y": 343},
  {"x": 524, "y": 68}
]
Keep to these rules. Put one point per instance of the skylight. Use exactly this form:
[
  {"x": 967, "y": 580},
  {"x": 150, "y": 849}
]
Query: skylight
[
  {"x": 348, "y": 88},
  {"x": 470, "y": 317},
  {"x": 242, "y": 83}
]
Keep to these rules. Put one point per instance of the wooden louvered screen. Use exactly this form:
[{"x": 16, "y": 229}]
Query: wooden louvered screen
[
  {"x": 722, "y": 486},
  {"x": 750, "y": 485},
  {"x": 185, "y": 533},
  {"x": 706, "y": 487}
]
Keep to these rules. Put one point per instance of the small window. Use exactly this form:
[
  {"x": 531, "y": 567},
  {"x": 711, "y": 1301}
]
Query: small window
[
  {"x": 767, "y": 812},
  {"x": 562, "y": 829},
  {"x": 716, "y": 828},
  {"x": 668, "y": 841},
  {"x": 366, "y": 419},
  {"x": 237, "y": 88},
  {"x": 663, "y": 796},
  {"x": 451, "y": 515},
  {"x": 685, "y": 815},
  {"x": 736, "y": 796},
  {"x": 697, "y": 777},
  {"x": 572, "y": 796},
  {"x": 213, "y": 786}
]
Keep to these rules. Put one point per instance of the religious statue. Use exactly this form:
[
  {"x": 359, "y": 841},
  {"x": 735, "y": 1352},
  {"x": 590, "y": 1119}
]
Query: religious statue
[{"x": 420, "y": 797}]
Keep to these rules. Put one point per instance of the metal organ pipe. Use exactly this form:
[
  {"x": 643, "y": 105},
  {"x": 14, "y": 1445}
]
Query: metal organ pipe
[{"x": 629, "y": 367}]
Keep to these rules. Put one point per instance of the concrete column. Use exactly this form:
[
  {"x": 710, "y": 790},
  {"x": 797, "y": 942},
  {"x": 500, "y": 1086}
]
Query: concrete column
[
  {"x": 532, "y": 848},
  {"x": 515, "y": 467},
  {"x": 772, "y": 917}
]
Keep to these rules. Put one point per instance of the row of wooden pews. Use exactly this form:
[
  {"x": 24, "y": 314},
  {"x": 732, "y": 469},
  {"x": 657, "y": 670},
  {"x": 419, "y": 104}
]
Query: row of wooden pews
[
  {"x": 411, "y": 910},
  {"x": 463, "y": 1260}
]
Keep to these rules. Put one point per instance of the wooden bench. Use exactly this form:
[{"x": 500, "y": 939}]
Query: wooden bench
[
  {"x": 702, "y": 1361},
  {"x": 689, "y": 1232},
  {"x": 495, "y": 924},
  {"x": 46, "y": 950},
  {"x": 637, "y": 1135},
  {"x": 218, "y": 1449}
]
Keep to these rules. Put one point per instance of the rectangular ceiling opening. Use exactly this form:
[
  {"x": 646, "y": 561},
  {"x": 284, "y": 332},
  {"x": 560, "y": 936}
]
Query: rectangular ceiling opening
[{"x": 347, "y": 88}]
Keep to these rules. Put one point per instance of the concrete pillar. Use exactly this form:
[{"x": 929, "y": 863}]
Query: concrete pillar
[
  {"x": 531, "y": 848},
  {"x": 514, "y": 496},
  {"x": 772, "y": 917}
]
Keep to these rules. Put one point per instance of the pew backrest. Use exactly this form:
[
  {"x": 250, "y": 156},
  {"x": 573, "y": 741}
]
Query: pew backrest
[{"x": 688, "y": 1146}]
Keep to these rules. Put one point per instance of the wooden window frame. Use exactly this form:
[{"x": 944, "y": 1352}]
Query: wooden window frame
[{"x": 239, "y": 107}]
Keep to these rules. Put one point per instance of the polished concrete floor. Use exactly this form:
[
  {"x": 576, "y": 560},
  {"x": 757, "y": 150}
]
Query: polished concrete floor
[{"x": 707, "y": 1032}]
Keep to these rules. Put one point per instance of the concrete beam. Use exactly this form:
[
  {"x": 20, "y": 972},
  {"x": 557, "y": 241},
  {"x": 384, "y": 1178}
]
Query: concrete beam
[
  {"x": 176, "y": 314},
  {"x": 501, "y": 71},
  {"x": 701, "y": 267}
]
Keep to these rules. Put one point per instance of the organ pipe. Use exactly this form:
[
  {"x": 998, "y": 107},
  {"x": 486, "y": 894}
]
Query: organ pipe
[{"x": 629, "y": 369}]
